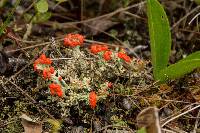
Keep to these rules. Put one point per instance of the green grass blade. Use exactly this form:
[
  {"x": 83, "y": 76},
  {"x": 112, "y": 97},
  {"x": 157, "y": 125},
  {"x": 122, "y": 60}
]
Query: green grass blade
[
  {"x": 180, "y": 68},
  {"x": 160, "y": 36}
]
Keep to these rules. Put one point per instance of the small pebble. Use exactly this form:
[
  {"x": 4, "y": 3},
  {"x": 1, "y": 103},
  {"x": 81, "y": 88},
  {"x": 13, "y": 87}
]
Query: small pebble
[{"x": 127, "y": 104}]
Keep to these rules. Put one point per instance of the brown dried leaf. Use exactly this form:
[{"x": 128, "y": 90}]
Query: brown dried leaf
[
  {"x": 149, "y": 119},
  {"x": 30, "y": 126},
  {"x": 164, "y": 88},
  {"x": 195, "y": 92}
]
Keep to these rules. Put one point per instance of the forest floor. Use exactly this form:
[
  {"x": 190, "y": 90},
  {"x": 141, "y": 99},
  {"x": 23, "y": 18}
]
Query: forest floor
[{"x": 123, "y": 89}]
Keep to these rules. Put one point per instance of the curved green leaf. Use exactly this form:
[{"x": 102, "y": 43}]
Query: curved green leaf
[
  {"x": 42, "y": 17},
  {"x": 38, "y": 18},
  {"x": 160, "y": 36},
  {"x": 42, "y": 6},
  {"x": 180, "y": 68},
  {"x": 195, "y": 55}
]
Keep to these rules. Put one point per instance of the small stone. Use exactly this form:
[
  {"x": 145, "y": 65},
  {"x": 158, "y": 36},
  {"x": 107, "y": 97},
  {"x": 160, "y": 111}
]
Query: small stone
[{"x": 127, "y": 104}]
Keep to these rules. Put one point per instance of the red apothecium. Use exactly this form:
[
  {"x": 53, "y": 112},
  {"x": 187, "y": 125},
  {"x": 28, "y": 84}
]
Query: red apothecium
[
  {"x": 55, "y": 89},
  {"x": 73, "y": 40},
  {"x": 92, "y": 99},
  {"x": 124, "y": 57},
  {"x": 96, "y": 48},
  {"x": 107, "y": 55}
]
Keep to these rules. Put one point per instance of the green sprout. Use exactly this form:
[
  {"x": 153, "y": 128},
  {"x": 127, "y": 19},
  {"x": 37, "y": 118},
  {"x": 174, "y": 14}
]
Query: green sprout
[{"x": 160, "y": 41}]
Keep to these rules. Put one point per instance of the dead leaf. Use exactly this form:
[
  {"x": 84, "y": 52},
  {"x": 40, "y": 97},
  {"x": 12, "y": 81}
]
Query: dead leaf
[
  {"x": 30, "y": 126},
  {"x": 97, "y": 26},
  {"x": 195, "y": 92},
  {"x": 149, "y": 119}
]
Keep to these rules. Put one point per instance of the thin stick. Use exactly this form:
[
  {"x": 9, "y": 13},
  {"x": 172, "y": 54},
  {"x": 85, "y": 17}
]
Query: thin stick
[
  {"x": 181, "y": 115},
  {"x": 183, "y": 18},
  {"x": 194, "y": 18},
  {"x": 29, "y": 47},
  {"x": 106, "y": 15},
  {"x": 167, "y": 130},
  {"x": 31, "y": 61},
  {"x": 134, "y": 15},
  {"x": 113, "y": 126},
  {"x": 196, "y": 123},
  {"x": 30, "y": 98}
]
